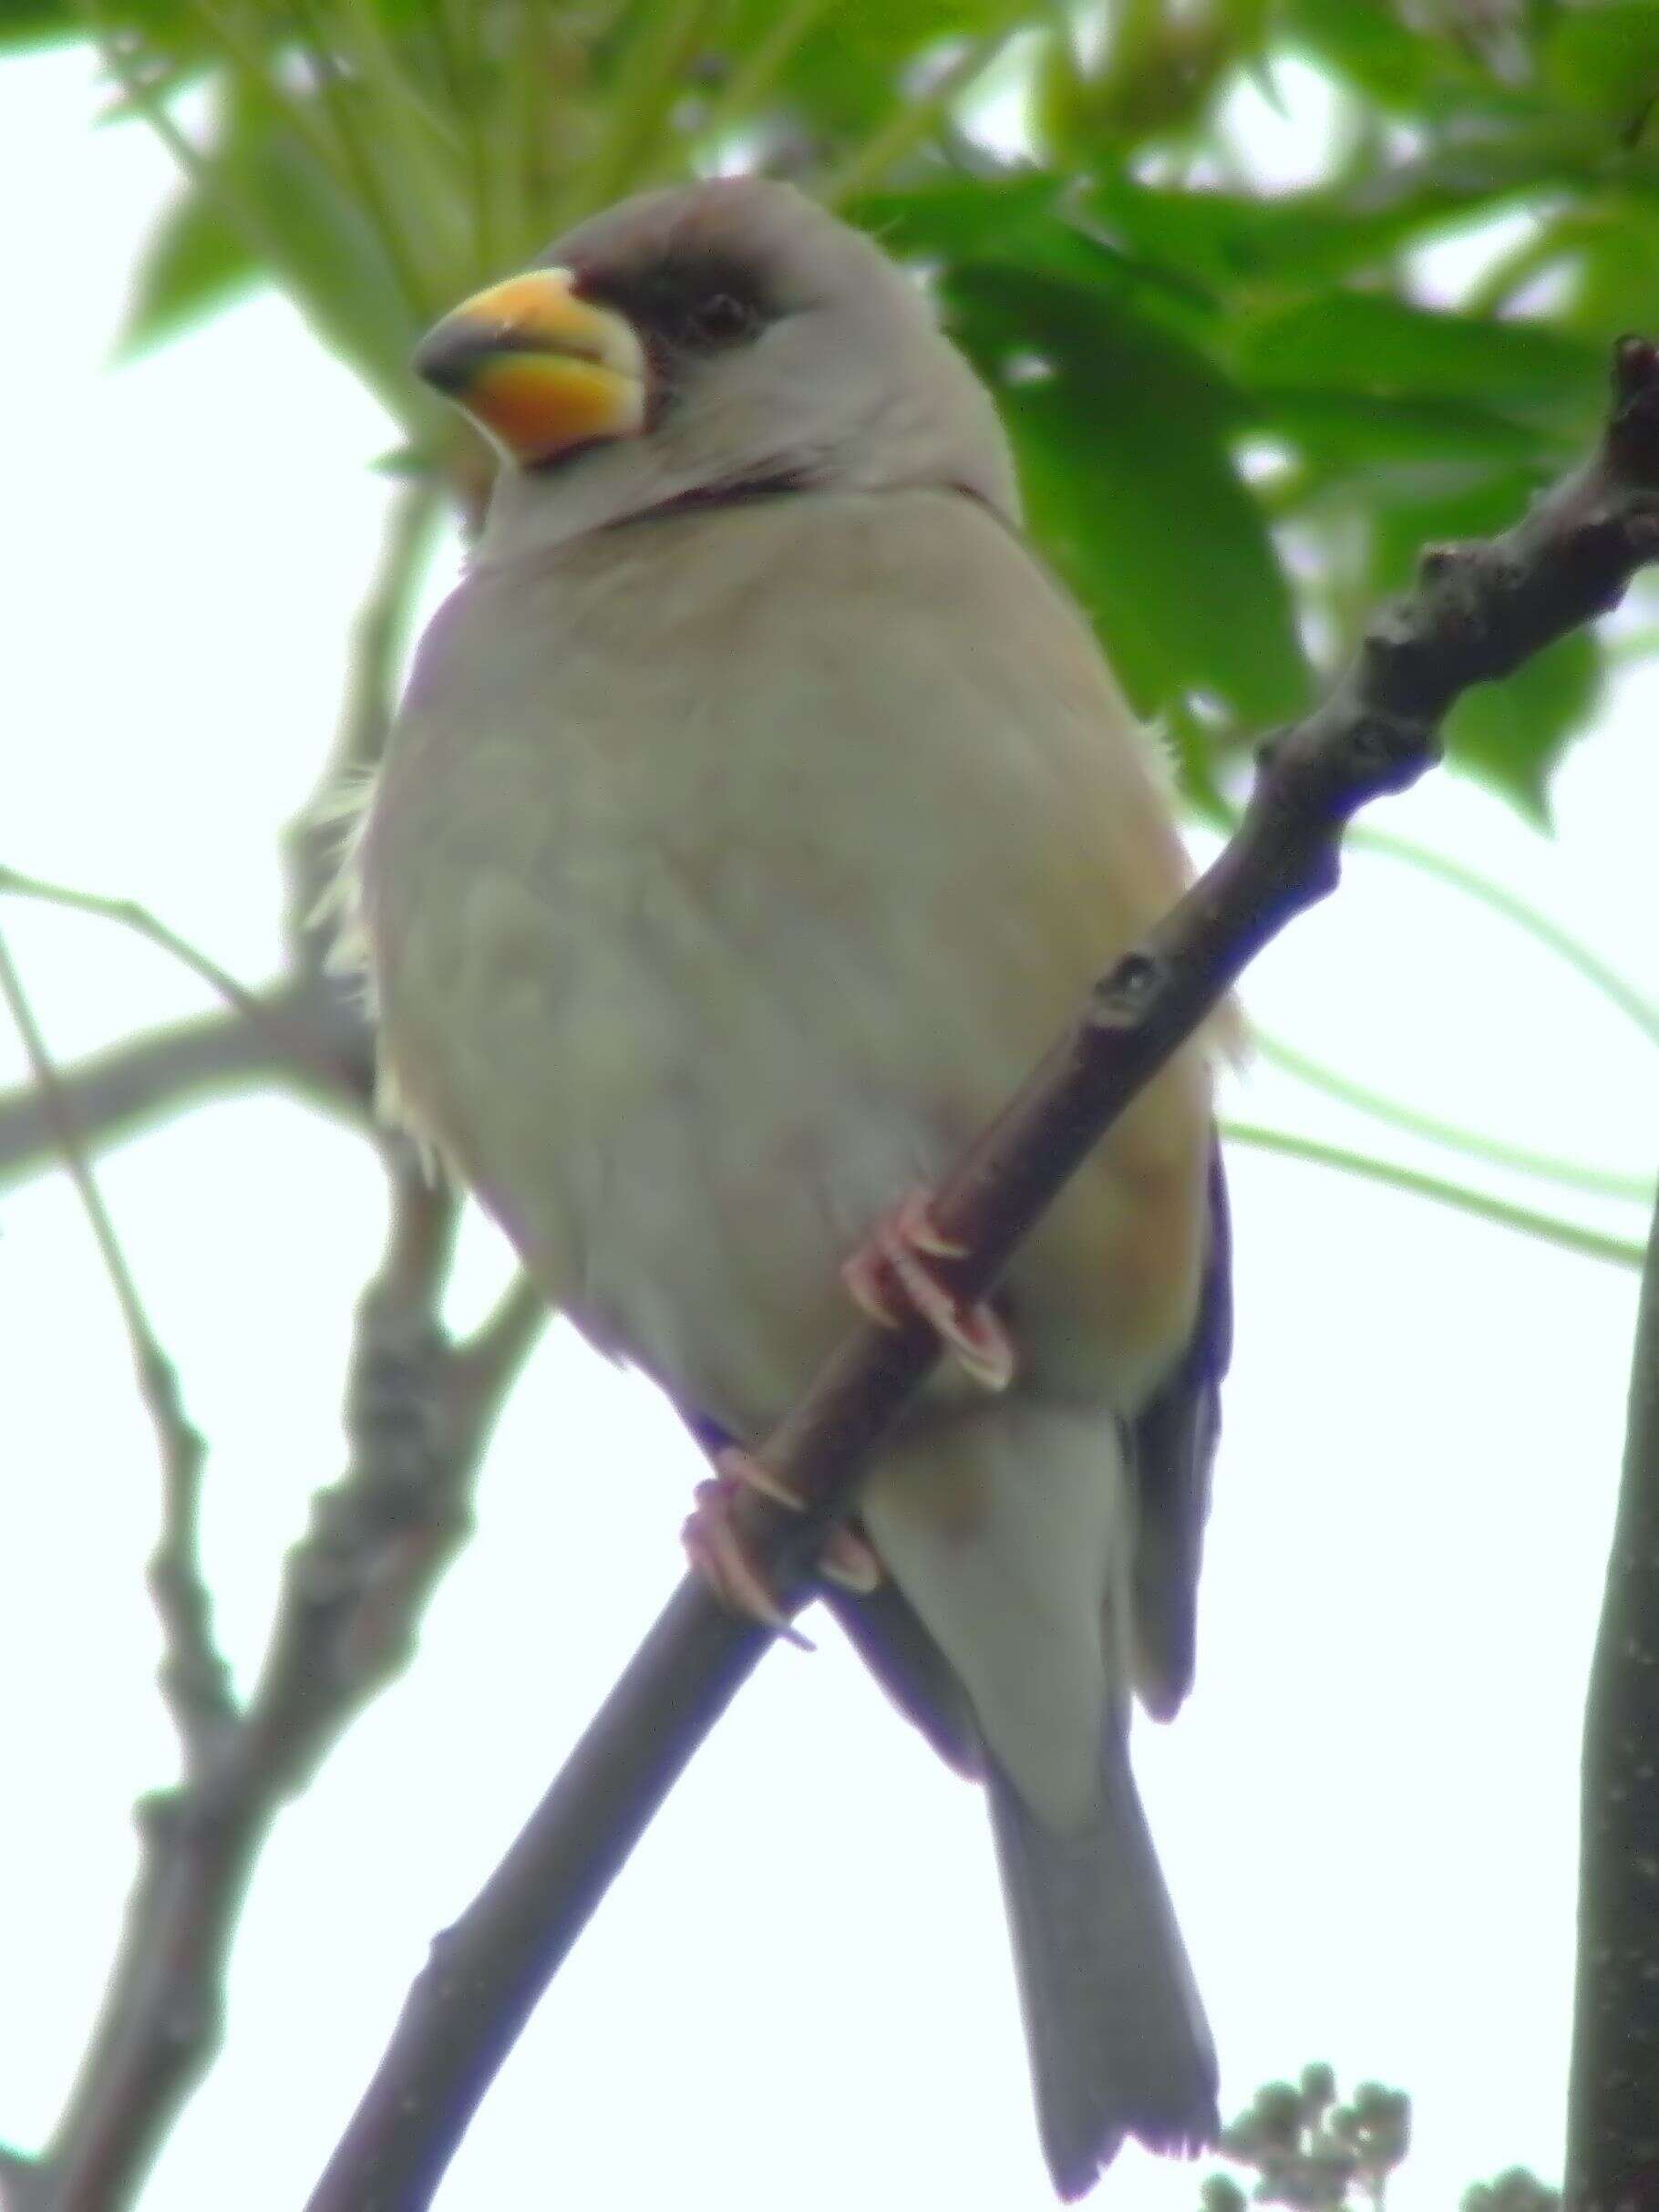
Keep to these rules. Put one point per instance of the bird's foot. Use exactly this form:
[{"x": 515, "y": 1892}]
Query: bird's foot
[
  {"x": 893, "y": 1270},
  {"x": 718, "y": 1546}
]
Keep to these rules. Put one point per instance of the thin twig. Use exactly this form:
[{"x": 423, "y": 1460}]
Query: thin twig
[
  {"x": 129, "y": 1085},
  {"x": 309, "y": 1027},
  {"x": 194, "y": 1680},
  {"x": 419, "y": 1413},
  {"x": 288, "y": 1038},
  {"x": 311, "y": 844},
  {"x": 1477, "y": 611}
]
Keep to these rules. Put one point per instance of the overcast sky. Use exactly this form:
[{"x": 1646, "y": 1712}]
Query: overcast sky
[{"x": 801, "y": 1988}]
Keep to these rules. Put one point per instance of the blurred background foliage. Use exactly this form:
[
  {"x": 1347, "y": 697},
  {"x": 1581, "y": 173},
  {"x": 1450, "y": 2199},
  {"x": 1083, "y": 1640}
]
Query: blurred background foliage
[{"x": 1240, "y": 412}]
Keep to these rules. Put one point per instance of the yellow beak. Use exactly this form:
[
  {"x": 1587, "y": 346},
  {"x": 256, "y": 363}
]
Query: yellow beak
[{"x": 537, "y": 367}]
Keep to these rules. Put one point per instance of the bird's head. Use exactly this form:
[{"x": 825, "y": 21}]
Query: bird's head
[{"x": 707, "y": 342}]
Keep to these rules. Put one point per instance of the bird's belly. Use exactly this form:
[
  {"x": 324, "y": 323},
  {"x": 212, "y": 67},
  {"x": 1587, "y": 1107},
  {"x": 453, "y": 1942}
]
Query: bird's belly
[
  {"x": 687, "y": 1110},
  {"x": 684, "y": 1140},
  {"x": 695, "y": 962}
]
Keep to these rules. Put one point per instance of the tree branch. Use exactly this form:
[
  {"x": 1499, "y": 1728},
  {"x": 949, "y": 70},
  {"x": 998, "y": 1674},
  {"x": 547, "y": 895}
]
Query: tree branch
[
  {"x": 1476, "y": 612},
  {"x": 311, "y": 842},
  {"x": 307, "y": 1027},
  {"x": 419, "y": 1413},
  {"x": 1612, "y": 2103},
  {"x": 195, "y": 1679},
  {"x": 112, "y": 1093}
]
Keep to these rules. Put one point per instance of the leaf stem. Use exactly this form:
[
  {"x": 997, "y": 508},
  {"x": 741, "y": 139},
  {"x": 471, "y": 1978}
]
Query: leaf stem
[
  {"x": 663, "y": 40},
  {"x": 749, "y": 83},
  {"x": 1570, "y": 1235},
  {"x": 1397, "y": 1114},
  {"x": 912, "y": 120},
  {"x": 1594, "y": 970},
  {"x": 195, "y": 1682},
  {"x": 359, "y": 161}
]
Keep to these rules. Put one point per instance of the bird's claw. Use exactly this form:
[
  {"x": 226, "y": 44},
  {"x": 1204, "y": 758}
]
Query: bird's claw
[
  {"x": 718, "y": 1549},
  {"x": 892, "y": 1271},
  {"x": 718, "y": 1546}
]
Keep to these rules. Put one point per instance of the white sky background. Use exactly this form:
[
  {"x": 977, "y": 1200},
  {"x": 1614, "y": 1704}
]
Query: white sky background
[{"x": 799, "y": 1990}]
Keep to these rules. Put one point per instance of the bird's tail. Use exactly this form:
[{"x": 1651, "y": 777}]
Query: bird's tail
[{"x": 1118, "y": 2043}]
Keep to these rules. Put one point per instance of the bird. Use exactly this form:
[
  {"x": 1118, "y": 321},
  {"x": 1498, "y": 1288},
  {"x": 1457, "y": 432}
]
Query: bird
[{"x": 757, "y": 808}]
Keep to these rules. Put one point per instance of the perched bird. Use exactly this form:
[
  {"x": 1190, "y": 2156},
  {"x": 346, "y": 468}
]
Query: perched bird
[{"x": 757, "y": 811}]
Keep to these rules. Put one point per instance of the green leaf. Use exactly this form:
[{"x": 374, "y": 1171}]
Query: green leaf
[
  {"x": 1611, "y": 255},
  {"x": 1424, "y": 73},
  {"x": 1123, "y": 443},
  {"x": 166, "y": 26},
  {"x": 1027, "y": 220},
  {"x": 1511, "y": 735},
  {"x": 963, "y": 216},
  {"x": 26, "y": 23},
  {"x": 1367, "y": 42},
  {"x": 1223, "y": 239},
  {"x": 197, "y": 263},
  {"x": 330, "y": 263},
  {"x": 1604, "y": 59},
  {"x": 1226, "y": 240},
  {"x": 1402, "y": 451},
  {"x": 845, "y": 75},
  {"x": 1154, "y": 75},
  {"x": 1363, "y": 342}
]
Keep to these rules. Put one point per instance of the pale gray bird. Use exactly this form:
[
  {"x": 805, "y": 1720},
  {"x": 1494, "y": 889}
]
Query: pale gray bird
[{"x": 758, "y": 810}]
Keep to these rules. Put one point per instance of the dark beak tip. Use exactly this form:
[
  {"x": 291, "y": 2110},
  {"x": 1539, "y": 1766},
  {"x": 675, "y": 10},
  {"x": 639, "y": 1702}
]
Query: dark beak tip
[{"x": 446, "y": 359}]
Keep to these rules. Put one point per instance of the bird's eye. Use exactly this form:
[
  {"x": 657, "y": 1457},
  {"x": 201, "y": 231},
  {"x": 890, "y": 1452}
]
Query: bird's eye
[{"x": 721, "y": 319}]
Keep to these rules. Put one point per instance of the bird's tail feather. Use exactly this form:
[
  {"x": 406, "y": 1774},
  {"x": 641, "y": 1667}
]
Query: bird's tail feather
[{"x": 1114, "y": 2024}]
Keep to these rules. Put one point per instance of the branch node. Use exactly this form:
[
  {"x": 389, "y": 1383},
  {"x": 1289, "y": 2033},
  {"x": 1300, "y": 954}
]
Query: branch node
[
  {"x": 1267, "y": 749},
  {"x": 1391, "y": 750},
  {"x": 1437, "y": 561},
  {"x": 1396, "y": 655},
  {"x": 1121, "y": 999},
  {"x": 1632, "y": 436}
]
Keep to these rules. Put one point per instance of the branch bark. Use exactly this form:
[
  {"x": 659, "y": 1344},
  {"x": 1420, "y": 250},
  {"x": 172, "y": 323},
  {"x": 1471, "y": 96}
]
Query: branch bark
[
  {"x": 1613, "y": 2106},
  {"x": 419, "y": 1410},
  {"x": 419, "y": 1413},
  {"x": 305, "y": 1029},
  {"x": 1477, "y": 611},
  {"x": 114, "y": 1093}
]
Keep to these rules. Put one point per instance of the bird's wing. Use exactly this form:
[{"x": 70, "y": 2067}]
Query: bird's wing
[
  {"x": 886, "y": 1631},
  {"x": 1173, "y": 1446}
]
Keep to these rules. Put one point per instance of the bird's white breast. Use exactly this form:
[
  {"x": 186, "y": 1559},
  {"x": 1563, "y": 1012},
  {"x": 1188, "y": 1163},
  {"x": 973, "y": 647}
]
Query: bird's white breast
[{"x": 726, "y": 871}]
